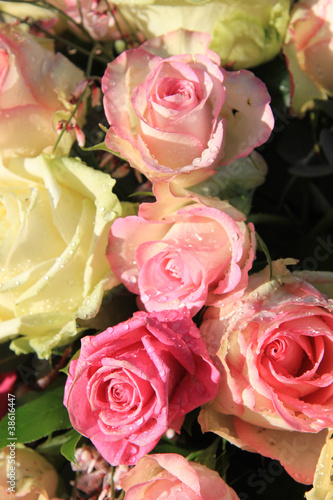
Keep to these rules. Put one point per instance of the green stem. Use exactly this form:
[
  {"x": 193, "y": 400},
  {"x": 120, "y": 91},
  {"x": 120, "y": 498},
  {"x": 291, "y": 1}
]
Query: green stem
[
  {"x": 112, "y": 471},
  {"x": 114, "y": 18},
  {"x": 90, "y": 60},
  {"x": 45, "y": 5},
  {"x": 69, "y": 120},
  {"x": 80, "y": 10},
  {"x": 130, "y": 28}
]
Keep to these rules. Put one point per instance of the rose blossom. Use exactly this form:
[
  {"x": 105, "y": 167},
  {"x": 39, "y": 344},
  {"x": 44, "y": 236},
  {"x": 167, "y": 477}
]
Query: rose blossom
[
  {"x": 274, "y": 350},
  {"x": 98, "y": 18},
  {"x": 173, "y": 112},
  {"x": 35, "y": 89},
  {"x": 55, "y": 216},
  {"x": 190, "y": 256},
  {"x": 35, "y": 477},
  {"x": 309, "y": 51},
  {"x": 173, "y": 476},
  {"x": 134, "y": 381},
  {"x": 244, "y": 34},
  {"x": 45, "y": 17}
]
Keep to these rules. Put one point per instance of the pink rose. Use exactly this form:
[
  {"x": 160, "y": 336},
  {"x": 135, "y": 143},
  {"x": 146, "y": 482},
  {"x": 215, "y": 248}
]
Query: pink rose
[
  {"x": 7, "y": 382},
  {"x": 134, "y": 381},
  {"x": 175, "y": 113},
  {"x": 35, "y": 88},
  {"x": 191, "y": 256},
  {"x": 309, "y": 51},
  {"x": 98, "y": 18},
  {"x": 169, "y": 475},
  {"x": 274, "y": 349}
]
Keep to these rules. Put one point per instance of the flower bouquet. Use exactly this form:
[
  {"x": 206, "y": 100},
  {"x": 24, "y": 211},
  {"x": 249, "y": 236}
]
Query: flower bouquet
[{"x": 166, "y": 253}]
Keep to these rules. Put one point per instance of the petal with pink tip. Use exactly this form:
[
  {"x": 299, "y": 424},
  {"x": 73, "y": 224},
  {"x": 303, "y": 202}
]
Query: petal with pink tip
[{"x": 247, "y": 112}]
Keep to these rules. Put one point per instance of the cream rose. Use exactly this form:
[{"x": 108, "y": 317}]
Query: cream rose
[
  {"x": 31, "y": 478},
  {"x": 55, "y": 215},
  {"x": 35, "y": 92},
  {"x": 244, "y": 34}
]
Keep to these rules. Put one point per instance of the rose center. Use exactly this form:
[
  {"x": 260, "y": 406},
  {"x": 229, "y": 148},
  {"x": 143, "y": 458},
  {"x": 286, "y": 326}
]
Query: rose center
[
  {"x": 172, "y": 269},
  {"x": 176, "y": 92},
  {"x": 121, "y": 393},
  {"x": 285, "y": 354}
]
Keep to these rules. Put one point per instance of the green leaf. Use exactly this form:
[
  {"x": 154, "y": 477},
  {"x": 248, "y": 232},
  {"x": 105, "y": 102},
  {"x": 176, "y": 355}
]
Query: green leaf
[
  {"x": 98, "y": 147},
  {"x": 102, "y": 147},
  {"x": 235, "y": 182},
  {"x": 206, "y": 457},
  {"x": 311, "y": 171},
  {"x": 141, "y": 193},
  {"x": 68, "y": 448},
  {"x": 166, "y": 445},
  {"x": 38, "y": 418}
]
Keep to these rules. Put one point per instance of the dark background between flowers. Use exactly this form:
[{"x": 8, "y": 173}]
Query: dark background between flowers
[{"x": 293, "y": 214}]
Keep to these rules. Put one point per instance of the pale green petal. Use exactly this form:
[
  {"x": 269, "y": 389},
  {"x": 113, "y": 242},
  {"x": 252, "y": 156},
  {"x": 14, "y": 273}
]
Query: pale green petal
[
  {"x": 129, "y": 208},
  {"x": 244, "y": 34}
]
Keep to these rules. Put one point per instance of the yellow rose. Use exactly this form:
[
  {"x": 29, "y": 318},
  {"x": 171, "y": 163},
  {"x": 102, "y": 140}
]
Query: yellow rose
[
  {"x": 244, "y": 34},
  {"x": 13, "y": 10},
  {"x": 55, "y": 215},
  {"x": 26, "y": 474}
]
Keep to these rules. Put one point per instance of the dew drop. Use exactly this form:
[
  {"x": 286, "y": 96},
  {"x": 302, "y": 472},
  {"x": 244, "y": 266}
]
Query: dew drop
[{"x": 71, "y": 51}]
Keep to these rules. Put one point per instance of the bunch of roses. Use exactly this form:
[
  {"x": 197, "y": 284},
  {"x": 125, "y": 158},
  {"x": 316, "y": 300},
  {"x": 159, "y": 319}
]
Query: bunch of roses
[
  {"x": 176, "y": 116},
  {"x": 134, "y": 381},
  {"x": 186, "y": 251}
]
